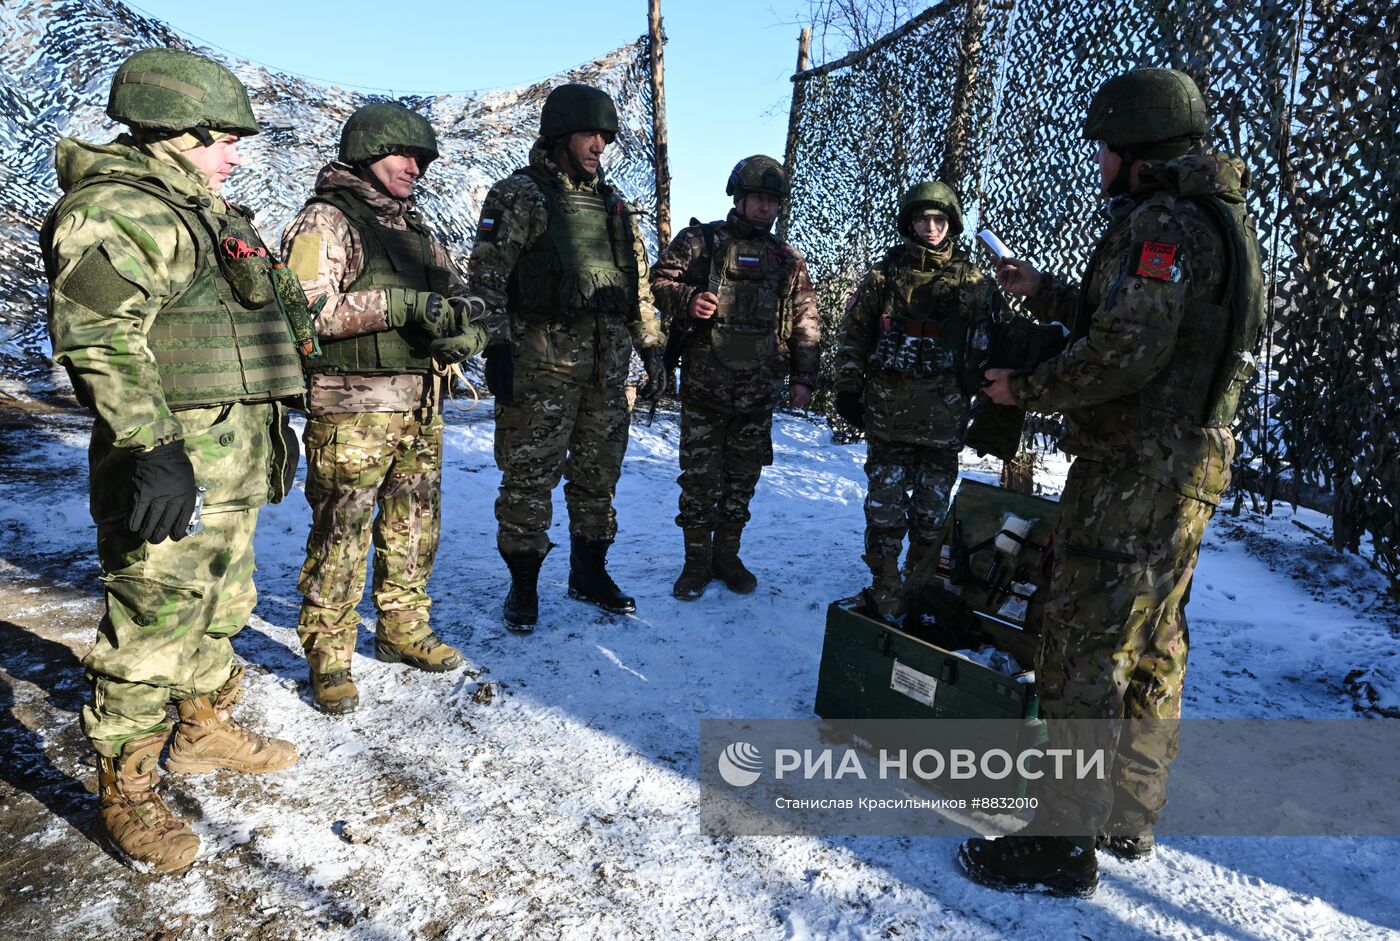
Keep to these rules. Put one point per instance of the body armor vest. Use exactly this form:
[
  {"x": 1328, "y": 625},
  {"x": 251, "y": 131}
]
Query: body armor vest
[
  {"x": 394, "y": 258},
  {"x": 222, "y": 339},
  {"x": 1213, "y": 359},
  {"x": 748, "y": 280},
  {"x": 923, "y": 323},
  {"x": 583, "y": 263}
]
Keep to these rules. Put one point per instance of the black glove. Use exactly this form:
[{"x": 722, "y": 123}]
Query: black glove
[
  {"x": 165, "y": 490},
  {"x": 500, "y": 373},
  {"x": 850, "y": 406},
  {"x": 654, "y": 359}
]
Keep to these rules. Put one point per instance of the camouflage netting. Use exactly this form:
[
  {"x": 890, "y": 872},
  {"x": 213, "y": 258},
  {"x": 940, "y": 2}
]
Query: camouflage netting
[
  {"x": 991, "y": 98},
  {"x": 56, "y": 63}
]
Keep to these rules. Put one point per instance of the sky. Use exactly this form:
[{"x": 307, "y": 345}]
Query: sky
[{"x": 728, "y": 64}]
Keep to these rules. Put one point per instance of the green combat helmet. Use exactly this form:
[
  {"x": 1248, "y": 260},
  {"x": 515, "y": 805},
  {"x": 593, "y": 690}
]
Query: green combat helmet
[
  {"x": 932, "y": 195},
  {"x": 1145, "y": 106},
  {"x": 572, "y": 108},
  {"x": 386, "y": 127},
  {"x": 757, "y": 174},
  {"x": 166, "y": 90}
]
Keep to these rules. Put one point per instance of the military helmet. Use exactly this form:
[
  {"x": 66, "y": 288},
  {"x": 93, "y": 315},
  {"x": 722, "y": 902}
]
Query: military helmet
[
  {"x": 1145, "y": 106},
  {"x": 171, "y": 90},
  {"x": 931, "y": 195},
  {"x": 571, "y": 108},
  {"x": 757, "y": 174},
  {"x": 386, "y": 127}
]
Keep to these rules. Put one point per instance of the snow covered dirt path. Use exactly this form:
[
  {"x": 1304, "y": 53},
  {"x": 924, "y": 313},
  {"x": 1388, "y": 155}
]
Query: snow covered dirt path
[{"x": 550, "y": 790}]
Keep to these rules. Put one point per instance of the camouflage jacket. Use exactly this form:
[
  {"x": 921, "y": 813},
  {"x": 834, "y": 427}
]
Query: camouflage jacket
[
  {"x": 327, "y": 254},
  {"x": 106, "y": 351},
  {"x": 514, "y": 216},
  {"x": 1132, "y": 316},
  {"x": 912, "y": 409},
  {"x": 683, "y": 270}
]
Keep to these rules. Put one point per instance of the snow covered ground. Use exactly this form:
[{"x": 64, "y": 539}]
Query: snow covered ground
[{"x": 550, "y": 790}]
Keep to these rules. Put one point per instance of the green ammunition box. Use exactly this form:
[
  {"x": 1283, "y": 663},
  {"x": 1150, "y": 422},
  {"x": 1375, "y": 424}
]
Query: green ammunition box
[{"x": 969, "y": 592}]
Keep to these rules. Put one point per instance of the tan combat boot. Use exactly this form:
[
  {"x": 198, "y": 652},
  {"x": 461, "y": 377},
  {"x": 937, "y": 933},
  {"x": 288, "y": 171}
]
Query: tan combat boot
[
  {"x": 132, "y": 818},
  {"x": 885, "y": 587},
  {"x": 208, "y": 738},
  {"x": 696, "y": 573},
  {"x": 728, "y": 567},
  {"x": 334, "y": 693},
  {"x": 427, "y": 653}
]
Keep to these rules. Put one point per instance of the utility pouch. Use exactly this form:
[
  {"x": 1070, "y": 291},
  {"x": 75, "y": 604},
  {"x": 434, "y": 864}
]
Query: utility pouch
[{"x": 244, "y": 261}]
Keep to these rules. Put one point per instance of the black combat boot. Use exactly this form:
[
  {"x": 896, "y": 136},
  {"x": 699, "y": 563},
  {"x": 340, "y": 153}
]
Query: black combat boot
[
  {"x": 522, "y": 607},
  {"x": 728, "y": 567},
  {"x": 697, "y": 573},
  {"x": 589, "y": 579},
  {"x": 1130, "y": 847},
  {"x": 1053, "y": 864}
]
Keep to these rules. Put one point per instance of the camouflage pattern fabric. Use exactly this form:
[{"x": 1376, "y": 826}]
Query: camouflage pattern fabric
[
  {"x": 171, "y": 609},
  {"x": 1114, "y": 638},
  {"x": 910, "y": 487},
  {"x": 925, "y": 410},
  {"x": 684, "y": 269},
  {"x": 1140, "y": 492},
  {"x": 722, "y": 455},
  {"x": 357, "y": 463},
  {"x": 327, "y": 254},
  {"x": 1133, "y": 329},
  {"x": 172, "y": 606},
  {"x": 558, "y": 427},
  {"x": 513, "y": 217},
  {"x": 569, "y": 415}
]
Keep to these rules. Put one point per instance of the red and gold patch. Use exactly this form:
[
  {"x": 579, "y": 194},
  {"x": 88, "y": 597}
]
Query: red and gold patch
[{"x": 1156, "y": 260}]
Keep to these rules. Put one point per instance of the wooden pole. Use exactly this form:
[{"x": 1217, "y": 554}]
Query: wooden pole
[
  {"x": 964, "y": 92},
  {"x": 658, "y": 125},
  {"x": 799, "y": 90}
]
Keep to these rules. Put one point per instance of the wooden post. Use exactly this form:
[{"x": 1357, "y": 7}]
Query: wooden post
[
  {"x": 964, "y": 90},
  {"x": 658, "y": 125},
  {"x": 799, "y": 88}
]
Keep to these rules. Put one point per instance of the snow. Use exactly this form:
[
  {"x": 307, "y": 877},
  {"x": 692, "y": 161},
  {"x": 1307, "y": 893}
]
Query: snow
[{"x": 566, "y": 806}]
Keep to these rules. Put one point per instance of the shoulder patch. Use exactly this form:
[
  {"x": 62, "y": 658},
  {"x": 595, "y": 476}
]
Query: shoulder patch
[
  {"x": 1155, "y": 260},
  {"x": 96, "y": 284},
  {"x": 305, "y": 261}
]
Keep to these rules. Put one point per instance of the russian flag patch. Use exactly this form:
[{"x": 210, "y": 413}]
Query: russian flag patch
[
  {"x": 748, "y": 261},
  {"x": 487, "y": 225}
]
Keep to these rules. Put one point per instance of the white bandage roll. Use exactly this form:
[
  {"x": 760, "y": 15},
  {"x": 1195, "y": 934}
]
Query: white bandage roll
[{"x": 1015, "y": 526}]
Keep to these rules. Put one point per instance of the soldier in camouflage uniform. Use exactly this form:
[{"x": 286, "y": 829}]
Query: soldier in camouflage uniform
[
  {"x": 902, "y": 377},
  {"x": 180, "y": 351},
  {"x": 394, "y": 310},
  {"x": 1164, "y": 328},
  {"x": 741, "y": 302},
  {"x": 560, "y": 263}
]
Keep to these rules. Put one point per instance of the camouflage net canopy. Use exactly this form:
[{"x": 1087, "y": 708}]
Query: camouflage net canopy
[
  {"x": 991, "y": 97},
  {"x": 56, "y": 64}
]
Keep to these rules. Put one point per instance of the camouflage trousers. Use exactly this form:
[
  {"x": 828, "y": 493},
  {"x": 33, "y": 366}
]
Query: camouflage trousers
[
  {"x": 171, "y": 609},
  {"x": 908, "y": 491},
  {"x": 556, "y": 427},
  {"x": 1114, "y": 640},
  {"x": 722, "y": 455},
  {"x": 359, "y": 463}
]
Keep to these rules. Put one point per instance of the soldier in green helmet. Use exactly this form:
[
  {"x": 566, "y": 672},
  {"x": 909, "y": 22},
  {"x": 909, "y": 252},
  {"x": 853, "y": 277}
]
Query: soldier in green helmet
[
  {"x": 396, "y": 312},
  {"x": 560, "y": 262},
  {"x": 742, "y": 302},
  {"x": 161, "y": 310},
  {"x": 903, "y": 376},
  {"x": 1165, "y": 323}
]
